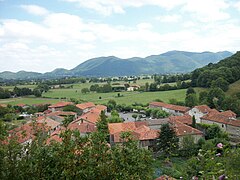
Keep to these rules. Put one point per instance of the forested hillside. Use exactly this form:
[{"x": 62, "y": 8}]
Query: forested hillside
[{"x": 220, "y": 75}]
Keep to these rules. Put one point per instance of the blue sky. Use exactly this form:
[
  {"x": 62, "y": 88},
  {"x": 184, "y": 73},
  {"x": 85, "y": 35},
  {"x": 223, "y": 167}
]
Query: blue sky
[{"x": 44, "y": 35}]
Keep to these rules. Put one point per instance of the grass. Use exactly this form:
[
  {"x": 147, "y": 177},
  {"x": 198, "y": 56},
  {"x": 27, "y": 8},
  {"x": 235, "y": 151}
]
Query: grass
[
  {"x": 126, "y": 97},
  {"x": 55, "y": 95},
  {"x": 27, "y": 100},
  {"x": 234, "y": 88},
  {"x": 19, "y": 86}
]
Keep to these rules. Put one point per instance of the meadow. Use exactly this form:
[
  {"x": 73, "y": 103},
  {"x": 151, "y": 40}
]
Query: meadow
[{"x": 55, "y": 95}]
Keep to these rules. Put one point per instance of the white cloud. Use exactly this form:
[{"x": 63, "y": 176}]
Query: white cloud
[
  {"x": 207, "y": 10},
  {"x": 65, "y": 40},
  {"x": 35, "y": 10},
  {"x": 107, "y": 7},
  {"x": 237, "y": 5},
  {"x": 169, "y": 18}
]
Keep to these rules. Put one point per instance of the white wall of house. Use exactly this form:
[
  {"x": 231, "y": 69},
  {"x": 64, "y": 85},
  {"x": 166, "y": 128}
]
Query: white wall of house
[{"x": 198, "y": 114}]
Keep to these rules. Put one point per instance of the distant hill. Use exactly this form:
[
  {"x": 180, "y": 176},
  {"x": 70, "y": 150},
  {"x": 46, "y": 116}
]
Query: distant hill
[
  {"x": 169, "y": 62},
  {"x": 226, "y": 71}
]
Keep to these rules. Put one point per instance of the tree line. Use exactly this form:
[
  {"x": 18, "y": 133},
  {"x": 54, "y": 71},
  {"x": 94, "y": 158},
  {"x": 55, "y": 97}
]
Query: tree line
[{"x": 218, "y": 75}]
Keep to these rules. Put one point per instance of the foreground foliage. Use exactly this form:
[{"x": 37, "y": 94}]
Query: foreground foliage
[{"x": 77, "y": 157}]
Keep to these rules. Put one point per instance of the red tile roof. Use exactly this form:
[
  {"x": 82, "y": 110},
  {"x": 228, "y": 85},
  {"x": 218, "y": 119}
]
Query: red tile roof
[
  {"x": 227, "y": 117},
  {"x": 139, "y": 130},
  {"x": 60, "y": 104},
  {"x": 55, "y": 136},
  {"x": 3, "y": 105},
  {"x": 186, "y": 119},
  {"x": 183, "y": 129},
  {"x": 203, "y": 108},
  {"x": 170, "y": 106},
  {"x": 49, "y": 122},
  {"x": 82, "y": 127},
  {"x": 62, "y": 113},
  {"x": 101, "y": 107},
  {"x": 92, "y": 117},
  {"x": 85, "y": 105},
  {"x": 27, "y": 131},
  {"x": 229, "y": 113}
]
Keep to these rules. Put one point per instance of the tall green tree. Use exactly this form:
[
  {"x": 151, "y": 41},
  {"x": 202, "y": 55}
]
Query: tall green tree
[{"x": 167, "y": 142}]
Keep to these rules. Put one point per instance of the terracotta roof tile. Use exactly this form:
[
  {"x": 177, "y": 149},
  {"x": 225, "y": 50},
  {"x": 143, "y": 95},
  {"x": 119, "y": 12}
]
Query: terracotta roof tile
[
  {"x": 91, "y": 117},
  {"x": 170, "y": 106},
  {"x": 60, "y": 104},
  {"x": 85, "y": 105},
  {"x": 186, "y": 119},
  {"x": 139, "y": 130},
  {"x": 62, "y": 113},
  {"x": 203, "y": 108},
  {"x": 49, "y": 122},
  {"x": 226, "y": 117},
  {"x": 183, "y": 129},
  {"x": 82, "y": 127}
]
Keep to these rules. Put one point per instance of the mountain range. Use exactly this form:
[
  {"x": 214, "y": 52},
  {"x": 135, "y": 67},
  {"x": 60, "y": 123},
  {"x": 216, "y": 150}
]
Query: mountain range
[{"x": 169, "y": 62}]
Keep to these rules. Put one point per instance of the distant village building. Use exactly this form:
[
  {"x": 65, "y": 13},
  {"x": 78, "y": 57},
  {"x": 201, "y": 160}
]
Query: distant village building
[
  {"x": 199, "y": 111},
  {"x": 59, "y": 106},
  {"x": 170, "y": 108},
  {"x": 85, "y": 107},
  {"x": 226, "y": 121},
  {"x": 139, "y": 130},
  {"x": 133, "y": 88}
]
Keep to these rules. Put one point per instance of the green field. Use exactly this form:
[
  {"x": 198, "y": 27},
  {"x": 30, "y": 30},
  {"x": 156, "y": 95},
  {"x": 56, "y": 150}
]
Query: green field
[
  {"x": 127, "y": 97},
  {"x": 55, "y": 95},
  {"x": 234, "y": 88},
  {"x": 27, "y": 100}
]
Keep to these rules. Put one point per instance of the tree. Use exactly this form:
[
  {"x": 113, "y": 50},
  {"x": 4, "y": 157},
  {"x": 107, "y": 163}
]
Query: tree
[
  {"x": 135, "y": 116},
  {"x": 220, "y": 83},
  {"x": 85, "y": 90},
  {"x": 203, "y": 97},
  {"x": 37, "y": 92},
  {"x": 190, "y": 90},
  {"x": 193, "y": 121},
  {"x": 215, "y": 97},
  {"x": 189, "y": 148},
  {"x": 146, "y": 86},
  {"x": 191, "y": 100},
  {"x": 102, "y": 124},
  {"x": 167, "y": 142}
]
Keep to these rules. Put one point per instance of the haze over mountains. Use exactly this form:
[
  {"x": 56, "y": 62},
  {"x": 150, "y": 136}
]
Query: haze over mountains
[{"x": 169, "y": 62}]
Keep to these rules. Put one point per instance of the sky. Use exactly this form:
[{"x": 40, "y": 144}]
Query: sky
[{"x": 43, "y": 35}]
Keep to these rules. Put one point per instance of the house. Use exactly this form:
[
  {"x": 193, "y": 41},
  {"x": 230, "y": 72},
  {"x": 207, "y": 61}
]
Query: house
[
  {"x": 85, "y": 107},
  {"x": 199, "y": 111},
  {"x": 226, "y": 121},
  {"x": 83, "y": 127},
  {"x": 50, "y": 123},
  {"x": 59, "y": 106},
  {"x": 63, "y": 114},
  {"x": 182, "y": 130},
  {"x": 133, "y": 88},
  {"x": 90, "y": 117},
  {"x": 185, "y": 119},
  {"x": 170, "y": 108},
  {"x": 157, "y": 123},
  {"x": 55, "y": 135},
  {"x": 118, "y": 88},
  {"x": 139, "y": 130},
  {"x": 26, "y": 133},
  {"x": 101, "y": 108}
]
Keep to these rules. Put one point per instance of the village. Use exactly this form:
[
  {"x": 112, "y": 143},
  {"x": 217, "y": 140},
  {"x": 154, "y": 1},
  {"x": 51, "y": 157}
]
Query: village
[{"x": 145, "y": 129}]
